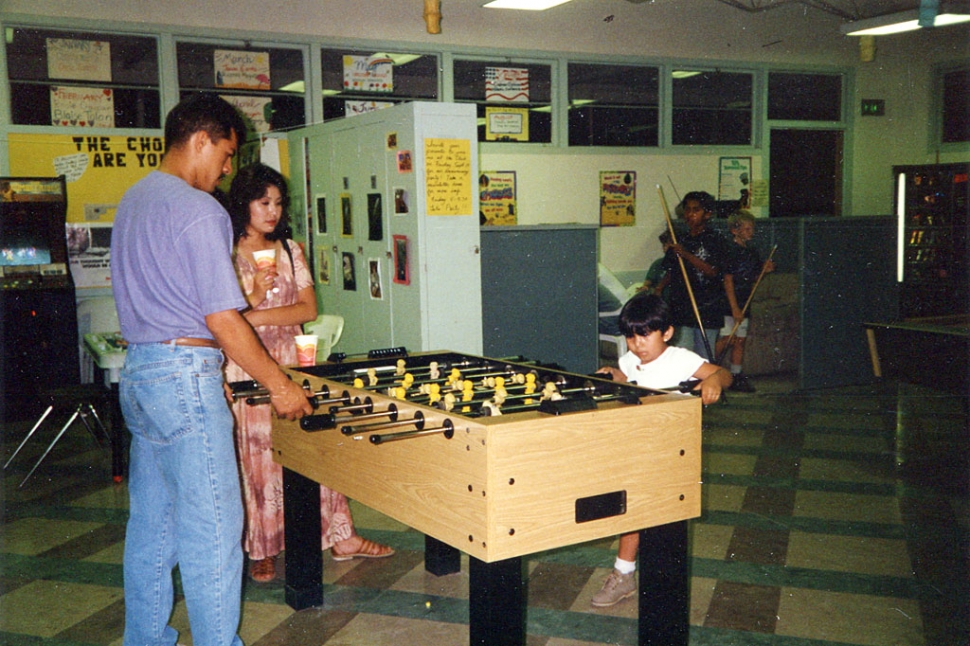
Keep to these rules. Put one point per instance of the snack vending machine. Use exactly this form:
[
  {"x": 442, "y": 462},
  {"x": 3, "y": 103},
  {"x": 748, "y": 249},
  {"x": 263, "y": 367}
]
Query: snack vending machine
[{"x": 933, "y": 254}]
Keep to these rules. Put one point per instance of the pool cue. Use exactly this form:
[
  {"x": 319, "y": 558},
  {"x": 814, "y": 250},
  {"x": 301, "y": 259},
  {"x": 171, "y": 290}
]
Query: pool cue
[
  {"x": 744, "y": 310},
  {"x": 683, "y": 269}
]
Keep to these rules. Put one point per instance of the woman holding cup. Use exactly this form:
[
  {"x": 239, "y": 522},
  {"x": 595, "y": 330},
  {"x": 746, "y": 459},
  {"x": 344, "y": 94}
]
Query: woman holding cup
[{"x": 276, "y": 281}]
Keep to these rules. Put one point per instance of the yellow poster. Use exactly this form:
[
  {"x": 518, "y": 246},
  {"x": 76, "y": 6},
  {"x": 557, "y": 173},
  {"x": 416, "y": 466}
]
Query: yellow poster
[
  {"x": 99, "y": 169},
  {"x": 448, "y": 173},
  {"x": 618, "y": 198},
  {"x": 496, "y": 198}
]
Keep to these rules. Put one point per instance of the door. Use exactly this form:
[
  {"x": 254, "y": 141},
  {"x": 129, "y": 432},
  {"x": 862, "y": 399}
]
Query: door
[{"x": 806, "y": 172}]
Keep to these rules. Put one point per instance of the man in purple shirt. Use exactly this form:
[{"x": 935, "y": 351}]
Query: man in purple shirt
[{"x": 178, "y": 303}]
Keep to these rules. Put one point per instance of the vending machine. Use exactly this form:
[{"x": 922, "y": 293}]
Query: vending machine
[{"x": 932, "y": 208}]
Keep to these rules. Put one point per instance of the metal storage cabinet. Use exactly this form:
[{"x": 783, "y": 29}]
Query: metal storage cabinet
[{"x": 346, "y": 176}]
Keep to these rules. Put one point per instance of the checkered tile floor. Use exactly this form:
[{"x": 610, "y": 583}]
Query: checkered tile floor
[{"x": 830, "y": 518}]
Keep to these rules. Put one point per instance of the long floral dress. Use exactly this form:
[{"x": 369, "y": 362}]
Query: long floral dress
[{"x": 261, "y": 477}]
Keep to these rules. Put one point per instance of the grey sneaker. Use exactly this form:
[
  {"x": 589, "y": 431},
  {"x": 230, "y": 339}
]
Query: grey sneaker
[{"x": 616, "y": 588}]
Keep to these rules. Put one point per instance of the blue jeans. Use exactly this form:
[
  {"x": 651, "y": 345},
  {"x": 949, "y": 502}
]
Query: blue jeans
[{"x": 184, "y": 499}]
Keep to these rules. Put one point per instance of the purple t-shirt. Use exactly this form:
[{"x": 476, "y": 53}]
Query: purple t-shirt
[{"x": 171, "y": 261}]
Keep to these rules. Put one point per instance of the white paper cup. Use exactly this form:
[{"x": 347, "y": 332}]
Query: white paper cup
[
  {"x": 306, "y": 349},
  {"x": 265, "y": 258}
]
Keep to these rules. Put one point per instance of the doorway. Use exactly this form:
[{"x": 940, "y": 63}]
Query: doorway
[{"x": 806, "y": 172}]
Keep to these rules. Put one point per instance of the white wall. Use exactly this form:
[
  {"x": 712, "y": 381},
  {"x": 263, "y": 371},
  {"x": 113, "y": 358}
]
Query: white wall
[{"x": 564, "y": 188}]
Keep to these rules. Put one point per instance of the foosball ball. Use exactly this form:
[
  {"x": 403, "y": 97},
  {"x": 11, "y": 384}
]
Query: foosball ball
[{"x": 498, "y": 459}]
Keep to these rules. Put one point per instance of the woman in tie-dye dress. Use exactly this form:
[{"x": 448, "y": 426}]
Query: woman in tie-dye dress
[{"x": 281, "y": 299}]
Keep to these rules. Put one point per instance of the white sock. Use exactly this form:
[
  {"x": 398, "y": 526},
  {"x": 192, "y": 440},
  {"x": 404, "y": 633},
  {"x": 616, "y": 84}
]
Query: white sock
[
  {"x": 625, "y": 567},
  {"x": 735, "y": 369}
]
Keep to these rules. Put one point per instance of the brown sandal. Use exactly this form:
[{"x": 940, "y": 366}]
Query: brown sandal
[
  {"x": 264, "y": 570},
  {"x": 367, "y": 550}
]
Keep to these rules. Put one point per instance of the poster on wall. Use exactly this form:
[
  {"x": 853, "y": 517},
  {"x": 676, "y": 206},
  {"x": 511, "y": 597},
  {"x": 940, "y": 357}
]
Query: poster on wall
[
  {"x": 89, "y": 254},
  {"x": 402, "y": 272},
  {"x": 349, "y": 271},
  {"x": 241, "y": 69},
  {"x": 355, "y": 108},
  {"x": 79, "y": 60},
  {"x": 734, "y": 181},
  {"x": 368, "y": 73},
  {"x": 256, "y": 109},
  {"x": 374, "y": 279},
  {"x": 506, "y": 124},
  {"x": 323, "y": 274},
  {"x": 618, "y": 198},
  {"x": 82, "y": 107},
  {"x": 448, "y": 174},
  {"x": 496, "y": 198},
  {"x": 506, "y": 85},
  {"x": 99, "y": 169}
]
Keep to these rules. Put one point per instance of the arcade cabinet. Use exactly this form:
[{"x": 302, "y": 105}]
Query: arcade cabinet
[{"x": 38, "y": 316}]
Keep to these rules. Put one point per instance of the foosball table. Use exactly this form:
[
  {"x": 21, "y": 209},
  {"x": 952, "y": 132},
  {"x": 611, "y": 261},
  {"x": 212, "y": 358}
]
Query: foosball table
[{"x": 498, "y": 459}]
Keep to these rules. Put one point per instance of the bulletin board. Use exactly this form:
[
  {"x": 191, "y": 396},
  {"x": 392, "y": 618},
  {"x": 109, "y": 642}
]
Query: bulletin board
[{"x": 99, "y": 169}]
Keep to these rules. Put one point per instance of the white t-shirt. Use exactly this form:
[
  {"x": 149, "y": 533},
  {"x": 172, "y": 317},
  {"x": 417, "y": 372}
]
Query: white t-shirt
[{"x": 666, "y": 371}]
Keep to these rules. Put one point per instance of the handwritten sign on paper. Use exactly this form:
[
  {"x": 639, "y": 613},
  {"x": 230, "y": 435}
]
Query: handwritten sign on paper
[
  {"x": 87, "y": 107},
  {"x": 239, "y": 69},
  {"x": 368, "y": 73},
  {"x": 448, "y": 174},
  {"x": 258, "y": 109},
  {"x": 507, "y": 84},
  {"x": 78, "y": 60}
]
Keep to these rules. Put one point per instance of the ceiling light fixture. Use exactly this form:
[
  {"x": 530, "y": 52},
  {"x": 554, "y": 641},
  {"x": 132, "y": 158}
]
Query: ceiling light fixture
[
  {"x": 527, "y": 5},
  {"x": 897, "y": 23}
]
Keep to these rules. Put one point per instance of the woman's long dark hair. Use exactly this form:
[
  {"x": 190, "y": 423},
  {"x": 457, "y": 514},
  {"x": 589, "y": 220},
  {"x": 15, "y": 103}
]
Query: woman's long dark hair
[{"x": 251, "y": 184}]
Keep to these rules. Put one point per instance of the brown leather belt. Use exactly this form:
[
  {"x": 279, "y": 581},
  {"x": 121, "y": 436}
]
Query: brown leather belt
[{"x": 194, "y": 342}]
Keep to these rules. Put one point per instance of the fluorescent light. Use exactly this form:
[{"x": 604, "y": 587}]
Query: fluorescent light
[
  {"x": 684, "y": 74},
  {"x": 296, "y": 86},
  {"x": 897, "y": 23},
  {"x": 900, "y": 226},
  {"x": 528, "y": 5}
]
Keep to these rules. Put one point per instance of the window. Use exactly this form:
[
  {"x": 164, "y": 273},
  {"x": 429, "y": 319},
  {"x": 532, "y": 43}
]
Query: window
[
  {"x": 514, "y": 99},
  {"x": 266, "y": 84},
  {"x": 80, "y": 79},
  {"x": 956, "y": 107},
  {"x": 613, "y": 105},
  {"x": 711, "y": 108},
  {"x": 804, "y": 97},
  {"x": 359, "y": 81}
]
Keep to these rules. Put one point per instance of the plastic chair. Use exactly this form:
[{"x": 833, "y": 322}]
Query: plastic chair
[
  {"x": 328, "y": 328},
  {"x": 94, "y": 315}
]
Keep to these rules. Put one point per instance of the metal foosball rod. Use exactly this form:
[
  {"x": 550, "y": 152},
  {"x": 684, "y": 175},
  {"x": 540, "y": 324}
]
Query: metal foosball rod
[
  {"x": 447, "y": 429},
  {"x": 417, "y": 420}
]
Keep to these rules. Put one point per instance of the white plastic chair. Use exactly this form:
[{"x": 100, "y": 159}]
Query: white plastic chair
[
  {"x": 94, "y": 315},
  {"x": 328, "y": 328}
]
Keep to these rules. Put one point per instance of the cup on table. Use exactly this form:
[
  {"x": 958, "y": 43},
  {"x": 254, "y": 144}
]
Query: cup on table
[
  {"x": 266, "y": 259},
  {"x": 306, "y": 349}
]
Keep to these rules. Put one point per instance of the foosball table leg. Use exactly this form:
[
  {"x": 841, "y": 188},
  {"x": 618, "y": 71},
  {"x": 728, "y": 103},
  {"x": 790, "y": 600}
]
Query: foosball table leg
[
  {"x": 664, "y": 586},
  {"x": 496, "y": 602},
  {"x": 440, "y": 558},
  {"x": 304, "y": 559}
]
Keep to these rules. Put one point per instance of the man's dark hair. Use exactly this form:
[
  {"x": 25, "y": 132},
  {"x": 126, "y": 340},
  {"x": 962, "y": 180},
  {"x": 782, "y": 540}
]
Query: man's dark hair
[
  {"x": 705, "y": 199},
  {"x": 249, "y": 184},
  {"x": 203, "y": 112},
  {"x": 644, "y": 313}
]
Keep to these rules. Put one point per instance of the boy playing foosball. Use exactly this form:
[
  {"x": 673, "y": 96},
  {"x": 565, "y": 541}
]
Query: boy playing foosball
[{"x": 650, "y": 362}]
